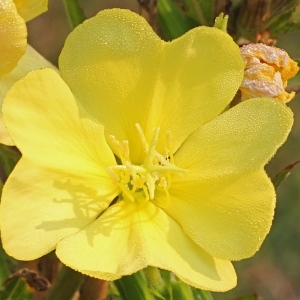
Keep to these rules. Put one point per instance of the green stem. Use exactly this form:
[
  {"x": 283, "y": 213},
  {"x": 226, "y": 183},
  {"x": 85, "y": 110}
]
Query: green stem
[
  {"x": 74, "y": 12},
  {"x": 133, "y": 287},
  {"x": 66, "y": 284}
]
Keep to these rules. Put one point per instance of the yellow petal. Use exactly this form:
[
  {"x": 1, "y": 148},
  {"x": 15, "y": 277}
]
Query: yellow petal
[
  {"x": 43, "y": 119},
  {"x": 40, "y": 206},
  {"x": 30, "y": 9},
  {"x": 129, "y": 237},
  {"x": 195, "y": 83},
  {"x": 242, "y": 139},
  {"x": 228, "y": 218},
  {"x": 13, "y": 36},
  {"x": 124, "y": 74},
  {"x": 221, "y": 157},
  {"x": 31, "y": 60},
  {"x": 110, "y": 62}
]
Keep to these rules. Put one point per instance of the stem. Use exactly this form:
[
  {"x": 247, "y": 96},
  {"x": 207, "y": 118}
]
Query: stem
[
  {"x": 74, "y": 12},
  {"x": 66, "y": 284}
]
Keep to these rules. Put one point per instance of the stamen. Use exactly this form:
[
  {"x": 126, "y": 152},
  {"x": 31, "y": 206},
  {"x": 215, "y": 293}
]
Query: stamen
[
  {"x": 113, "y": 174},
  {"x": 151, "y": 152},
  {"x": 139, "y": 182},
  {"x": 126, "y": 150},
  {"x": 117, "y": 149},
  {"x": 126, "y": 192},
  {"x": 150, "y": 180},
  {"x": 146, "y": 193},
  {"x": 142, "y": 137}
]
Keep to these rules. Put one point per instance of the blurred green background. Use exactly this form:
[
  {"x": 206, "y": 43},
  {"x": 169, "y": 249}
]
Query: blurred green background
[{"x": 274, "y": 272}]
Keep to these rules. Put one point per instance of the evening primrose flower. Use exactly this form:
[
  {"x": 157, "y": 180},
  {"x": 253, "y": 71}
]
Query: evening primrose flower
[
  {"x": 13, "y": 33},
  {"x": 31, "y": 60},
  {"x": 129, "y": 162},
  {"x": 267, "y": 70},
  {"x": 16, "y": 57}
]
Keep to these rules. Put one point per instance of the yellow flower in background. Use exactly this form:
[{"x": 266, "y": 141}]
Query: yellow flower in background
[
  {"x": 267, "y": 70},
  {"x": 31, "y": 60},
  {"x": 13, "y": 33},
  {"x": 29, "y": 9},
  {"x": 16, "y": 57},
  {"x": 13, "y": 36},
  {"x": 129, "y": 162}
]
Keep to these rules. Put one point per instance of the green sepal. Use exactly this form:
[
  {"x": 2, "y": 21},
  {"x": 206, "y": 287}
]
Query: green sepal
[
  {"x": 159, "y": 289},
  {"x": 221, "y": 22},
  {"x": 133, "y": 287},
  {"x": 182, "y": 291}
]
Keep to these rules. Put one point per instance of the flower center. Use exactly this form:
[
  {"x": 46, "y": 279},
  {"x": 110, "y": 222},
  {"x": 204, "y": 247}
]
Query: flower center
[{"x": 139, "y": 182}]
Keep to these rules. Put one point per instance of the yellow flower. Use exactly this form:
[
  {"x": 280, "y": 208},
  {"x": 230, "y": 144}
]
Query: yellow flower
[
  {"x": 31, "y": 60},
  {"x": 128, "y": 162},
  {"x": 16, "y": 57},
  {"x": 267, "y": 70},
  {"x": 29, "y": 9},
  {"x": 13, "y": 33},
  {"x": 13, "y": 36}
]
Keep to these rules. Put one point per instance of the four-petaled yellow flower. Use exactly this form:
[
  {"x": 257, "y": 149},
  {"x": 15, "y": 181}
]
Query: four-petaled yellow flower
[{"x": 128, "y": 160}]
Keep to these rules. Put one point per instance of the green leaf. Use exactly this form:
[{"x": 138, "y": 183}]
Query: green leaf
[
  {"x": 284, "y": 17},
  {"x": 74, "y": 12},
  {"x": 201, "y": 295},
  {"x": 277, "y": 180},
  {"x": 200, "y": 10},
  {"x": 172, "y": 21},
  {"x": 133, "y": 287},
  {"x": 15, "y": 289}
]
